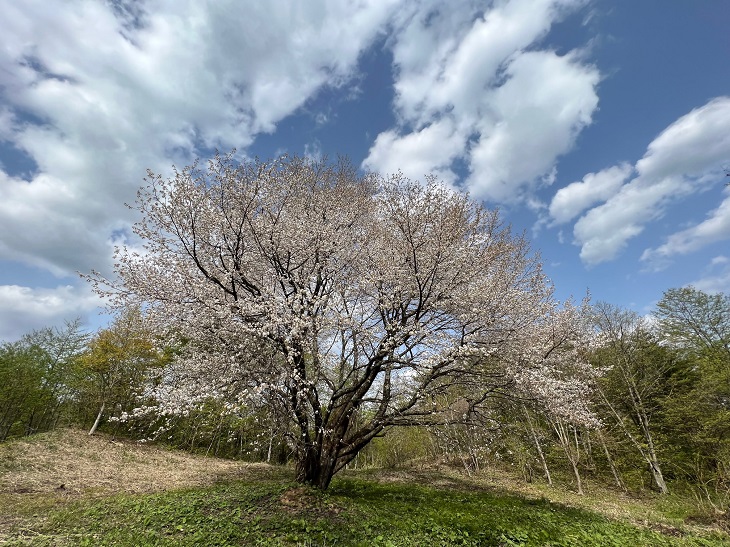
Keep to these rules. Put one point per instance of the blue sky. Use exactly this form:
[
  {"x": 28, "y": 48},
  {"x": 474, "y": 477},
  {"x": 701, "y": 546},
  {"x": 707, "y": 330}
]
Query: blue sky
[{"x": 599, "y": 127}]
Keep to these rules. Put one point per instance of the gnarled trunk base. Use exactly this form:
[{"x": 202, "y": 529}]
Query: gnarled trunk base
[{"x": 315, "y": 468}]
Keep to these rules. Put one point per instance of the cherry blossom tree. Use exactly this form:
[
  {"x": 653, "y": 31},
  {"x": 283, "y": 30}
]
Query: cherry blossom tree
[
  {"x": 353, "y": 302},
  {"x": 553, "y": 372}
]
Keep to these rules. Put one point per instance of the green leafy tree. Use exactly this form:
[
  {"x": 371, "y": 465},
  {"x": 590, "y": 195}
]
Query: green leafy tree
[
  {"x": 631, "y": 391},
  {"x": 695, "y": 321},
  {"x": 21, "y": 387},
  {"x": 697, "y": 407},
  {"x": 36, "y": 379},
  {"x": 114, "y": 369}
]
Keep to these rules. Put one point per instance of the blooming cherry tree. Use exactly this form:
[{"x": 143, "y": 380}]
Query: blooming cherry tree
[{"x": 353, "y": 302}]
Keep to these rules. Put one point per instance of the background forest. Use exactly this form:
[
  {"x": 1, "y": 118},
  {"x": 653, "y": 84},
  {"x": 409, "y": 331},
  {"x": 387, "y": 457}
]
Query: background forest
[{"x": 662, "y": 398}]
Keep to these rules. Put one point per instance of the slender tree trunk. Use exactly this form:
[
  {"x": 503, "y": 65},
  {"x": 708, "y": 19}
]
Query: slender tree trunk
[
  {"x": 656, "y": 471},
  {"x": 574, "y": 463},
  {"x": 649, "y": 454},
  {"x": 29, "y": 429},
  {"x": 611, "y": 465},
  {"x": 643, "y": 419},
  {"x": 545, "y": 468},
  {"x": 576, "y": 473},
  {"x": 216, "y": 437},
  {"x": 98, "y": 419},
  {"x": 573, "y": 457}
]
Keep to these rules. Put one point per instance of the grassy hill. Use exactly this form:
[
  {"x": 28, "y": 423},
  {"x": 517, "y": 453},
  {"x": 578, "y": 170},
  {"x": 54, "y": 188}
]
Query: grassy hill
[{"x": 65, "y": 488}]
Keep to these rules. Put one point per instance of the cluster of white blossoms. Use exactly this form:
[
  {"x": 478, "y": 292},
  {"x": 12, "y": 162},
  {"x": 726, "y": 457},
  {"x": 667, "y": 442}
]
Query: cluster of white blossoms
[{"x": 553, "y": 367}]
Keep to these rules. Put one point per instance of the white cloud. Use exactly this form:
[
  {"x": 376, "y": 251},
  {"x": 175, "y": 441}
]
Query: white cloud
[
  {"x": 432, "y": 149},
  {"x": 313, "y": 150},
  {"x": 115, "y": 88},
  {"x": 535, "y": 117},
  {"x": 446, "y": 57},
  {"x": 26, "y": 309},
  {"x": 715, "y": 228},
  {"x": 510, "y": 112},
  {"x": 716, "y": 278},
  {"x": 572, "y": 200},
  {"x": 686, "y": 157},
  {"x": 696, "y": 142}
]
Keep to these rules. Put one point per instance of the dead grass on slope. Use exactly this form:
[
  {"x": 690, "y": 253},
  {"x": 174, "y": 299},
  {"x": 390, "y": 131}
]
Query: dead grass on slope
[
  {"x": 45, "y": 471},
  {"x": 70, "y": 462},
  {"x": 50, "y": 469}
]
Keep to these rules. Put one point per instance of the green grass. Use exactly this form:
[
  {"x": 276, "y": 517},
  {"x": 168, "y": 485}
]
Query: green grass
[{"x": 275, "y": 511}]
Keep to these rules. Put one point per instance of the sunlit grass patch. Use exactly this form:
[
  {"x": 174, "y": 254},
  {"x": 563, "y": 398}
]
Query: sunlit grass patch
[{"x": 353, "y": 512}]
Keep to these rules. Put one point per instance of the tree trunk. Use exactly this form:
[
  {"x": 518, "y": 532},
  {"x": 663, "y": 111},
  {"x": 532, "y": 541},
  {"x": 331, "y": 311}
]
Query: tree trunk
[
  {"x": 572, "y": 456},
  {"x": 98, "y": 419},
  {"x": 656, "y": 473},
  {"x": 611, "y": 465},
  {"x": 649, "y": 454},
  {"x": 576, "y": 472},
  {"x": 652, "y": 460},
  {"x": 315, "y": 468},
  {"x": 545, "y": 468}
]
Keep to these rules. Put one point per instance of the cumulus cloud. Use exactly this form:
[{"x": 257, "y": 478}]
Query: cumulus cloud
[
  {"x": 572, "y": 200},
  {"x": 533, "y": 118},
  {"x": 27, "y": 309},
  {"x": 475, "y": 82},
  {"x": 694, "y": 144},
  {"x": 96, "y": 92},
  {"x": 430, "y": 150},
  {"x": 686, "y": 157}
]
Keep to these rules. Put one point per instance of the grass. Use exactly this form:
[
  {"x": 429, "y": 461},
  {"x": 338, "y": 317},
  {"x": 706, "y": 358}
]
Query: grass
[{"x": 228, "y": 503}]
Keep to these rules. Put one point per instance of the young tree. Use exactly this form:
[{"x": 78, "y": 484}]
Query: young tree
[
  {"x": 696, "y": 321},
  {"x": 560, "y": 345},
  {"x": 352, "y": 301},
  {"x": 113, "y": 368},
  {"x": 21, "y": 387},
  {"x": 632, "y": 389},
  {"x": 59, "y": 348},
  {"x": 697, "y": 409}
]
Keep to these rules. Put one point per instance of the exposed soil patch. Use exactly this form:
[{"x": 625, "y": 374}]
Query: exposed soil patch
[{"x": 305, "y": 500}]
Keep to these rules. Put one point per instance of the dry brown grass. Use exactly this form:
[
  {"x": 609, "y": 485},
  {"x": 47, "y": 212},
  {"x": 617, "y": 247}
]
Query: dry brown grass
[
  {"x": 51, "y": 469},
  {"x": 70, "y": 462}
]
